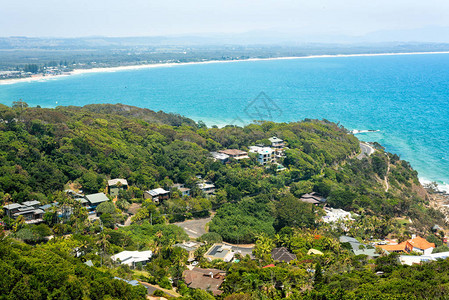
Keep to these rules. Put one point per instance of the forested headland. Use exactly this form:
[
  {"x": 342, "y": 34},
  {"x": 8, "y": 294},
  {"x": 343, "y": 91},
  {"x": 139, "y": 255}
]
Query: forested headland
[{"x": 44, "y": 152}]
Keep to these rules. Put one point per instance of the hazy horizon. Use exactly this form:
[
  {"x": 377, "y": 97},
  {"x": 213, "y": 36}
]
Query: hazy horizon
[{"x": 302, "y": 21}]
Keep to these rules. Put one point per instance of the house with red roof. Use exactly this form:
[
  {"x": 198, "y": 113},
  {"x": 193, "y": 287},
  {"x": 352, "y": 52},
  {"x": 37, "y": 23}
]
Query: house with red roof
[{"x": 416, "y": 244}]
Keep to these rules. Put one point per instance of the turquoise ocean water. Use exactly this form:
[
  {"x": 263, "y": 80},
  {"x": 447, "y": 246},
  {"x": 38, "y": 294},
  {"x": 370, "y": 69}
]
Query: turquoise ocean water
[{"x": 406, "y": 97}]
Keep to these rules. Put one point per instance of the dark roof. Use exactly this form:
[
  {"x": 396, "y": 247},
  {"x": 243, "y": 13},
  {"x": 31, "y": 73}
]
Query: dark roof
[
  {"x": 205, "y": 279},
  {"x": 47, "y": 206},
  {"x": 282, "y": 254},
  {"x": 312, "y": 198}
]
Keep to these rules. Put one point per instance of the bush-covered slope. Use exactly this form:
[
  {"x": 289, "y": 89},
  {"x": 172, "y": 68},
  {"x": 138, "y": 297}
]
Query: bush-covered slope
[
  {"x": 40, "y": 273},
  {"x": 41, "y": 150}
]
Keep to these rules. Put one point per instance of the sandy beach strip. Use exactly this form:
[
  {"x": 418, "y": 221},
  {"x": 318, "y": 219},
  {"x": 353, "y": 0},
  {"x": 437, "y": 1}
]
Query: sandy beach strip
[{"x": 160, "y": 65}]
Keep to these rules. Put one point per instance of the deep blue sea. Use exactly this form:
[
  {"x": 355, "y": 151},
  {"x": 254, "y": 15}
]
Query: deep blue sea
[{"x": 406, "y": 97}]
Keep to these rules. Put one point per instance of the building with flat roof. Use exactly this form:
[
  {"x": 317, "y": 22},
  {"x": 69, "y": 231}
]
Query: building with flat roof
[
  {"x": 190, "y": 247},
  {"x": 265, "y": 155},
  {"x": 220, "y": 251},
  {"x": 276, "y": 142},
  {"x": 221, "y": 157},
  {"x": 181, "y": 188},
  {"x": 419, "y": 259},
  {"x": 131, "y": 258},
  {"x": 206, "y": 187}
]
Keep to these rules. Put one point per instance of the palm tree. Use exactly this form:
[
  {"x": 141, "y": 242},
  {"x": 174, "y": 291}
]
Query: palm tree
[
  {"x": 264, "y": 245},
  {"x": 19, "y": 223},
  {"x": 103, "y": 243}
]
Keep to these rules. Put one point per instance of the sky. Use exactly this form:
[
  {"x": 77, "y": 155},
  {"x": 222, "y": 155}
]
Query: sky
[{"x": 78, "y": 18}]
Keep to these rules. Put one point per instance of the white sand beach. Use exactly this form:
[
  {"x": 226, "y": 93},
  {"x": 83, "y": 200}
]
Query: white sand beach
[{"x": 159, "y": 65}]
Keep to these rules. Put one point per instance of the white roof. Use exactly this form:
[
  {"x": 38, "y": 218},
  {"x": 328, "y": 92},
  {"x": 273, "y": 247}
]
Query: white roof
[
  {"x": 334, "y": 215},
  {"x": 220, "y": 156},
  {"x": 275, "y": 139},
  {"x": 416, "y": 259},
  {"x": 260, "y": 150},
  {"x": 13, "y": 206},
  {"x": 158, "y": 191},
  {"x": 113, "y": 182},
  {"x": 131, "y": 257},
  {"x": 31, "y": 203},
  {"x": 205, "y": 185}
]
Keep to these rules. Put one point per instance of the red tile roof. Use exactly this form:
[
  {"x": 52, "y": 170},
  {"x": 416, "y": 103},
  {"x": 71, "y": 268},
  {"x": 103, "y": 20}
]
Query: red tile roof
[
  {"x": 421, "y": 243},
  {"x": 402, "y": 247},
  {"x": 407, "y": 246}
]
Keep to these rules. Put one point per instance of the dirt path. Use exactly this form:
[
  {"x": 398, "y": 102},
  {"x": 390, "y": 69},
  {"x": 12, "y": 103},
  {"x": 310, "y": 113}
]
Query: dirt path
[
  {"x": 152, "y": 287},
  {"x": 387, "y": 186}
]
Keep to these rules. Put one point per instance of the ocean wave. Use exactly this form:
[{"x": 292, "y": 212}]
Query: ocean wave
[
  {"x": 355, "y": 131},
  {"x": 442, "y": 186}
]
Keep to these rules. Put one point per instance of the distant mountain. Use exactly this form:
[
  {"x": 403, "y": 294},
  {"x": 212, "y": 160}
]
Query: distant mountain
[
  {"x": 260, "y": 37},
  {"x": 422, "y": 35}
]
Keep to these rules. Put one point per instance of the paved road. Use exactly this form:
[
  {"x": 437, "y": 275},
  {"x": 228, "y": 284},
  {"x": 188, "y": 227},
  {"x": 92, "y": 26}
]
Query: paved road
[
  {"x": 367, "y": 150},
  {"x": 194, "y": 228}
]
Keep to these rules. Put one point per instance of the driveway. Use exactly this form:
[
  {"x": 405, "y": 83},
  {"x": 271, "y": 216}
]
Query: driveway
[{"x": 194, "y": 228}]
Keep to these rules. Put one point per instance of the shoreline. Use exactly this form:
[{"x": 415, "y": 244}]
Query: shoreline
[
  {"x": 161, "y": 65},
  {"x": 442, "y": 187}
]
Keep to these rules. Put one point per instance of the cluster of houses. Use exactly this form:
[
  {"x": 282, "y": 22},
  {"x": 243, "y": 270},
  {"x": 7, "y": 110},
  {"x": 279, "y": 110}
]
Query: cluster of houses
[
  {"x": 32, "y": 211},
  {"x": 212, "y": 279},
  {"x": 416, "y": 244},
  {"x": 200, "y": 278},
  {"x": 159, "y": 194},
  {"x": 265, "y": 155}
]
